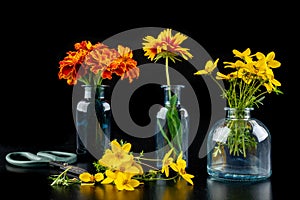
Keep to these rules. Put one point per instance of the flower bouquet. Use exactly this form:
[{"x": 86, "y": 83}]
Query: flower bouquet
[
  {"x": 90, "y": 65},
  {"x": 172, "y": 118},
  {"x": 239, "y": 146}
]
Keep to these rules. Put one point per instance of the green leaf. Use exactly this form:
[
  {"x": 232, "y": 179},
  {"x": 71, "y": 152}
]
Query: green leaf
[{"x": 174, "y": 123}]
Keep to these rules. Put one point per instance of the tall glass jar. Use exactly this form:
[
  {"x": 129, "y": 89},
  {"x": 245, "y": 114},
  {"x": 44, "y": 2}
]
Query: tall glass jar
[
  {"x": 93, "y": 122},
  {"x": 172, "y": 125},
  {"x": 239, "y": 148}
]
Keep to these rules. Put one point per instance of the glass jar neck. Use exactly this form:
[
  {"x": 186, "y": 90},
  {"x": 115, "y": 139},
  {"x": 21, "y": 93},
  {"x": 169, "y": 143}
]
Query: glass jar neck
[
  {"x": 236, "y": 113},
  {"x": 101, "y": 91},
  {"x": 98, "y": 92},
  {"x": 172, "y": 93}
]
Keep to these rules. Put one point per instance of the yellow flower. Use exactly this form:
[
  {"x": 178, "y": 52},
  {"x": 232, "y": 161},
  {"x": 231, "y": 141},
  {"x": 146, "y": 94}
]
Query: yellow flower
[
  {"x": 269, "y": 59},
  {"x": 166, "y": 162},
  {"x": 98, "y": 177},
  {"x": 110, "y": 176},
  {"x": 124, "y": 181},
  {"x": 209, "y": 67},
  {"x": 130, "y": 167},
  {"x": 87, "y": 177},
  {"x": 179, "y": 167},
  {"x": 165, "y": 44},
  {"x": 116, "y": 156},
  {"x": 265, "y": 65},
  {"x": 251, "y": 72},
  {"x": 245, "y": 55},
  {"x": 220, "y": 76},
  {"x": 117, "y": 147}
]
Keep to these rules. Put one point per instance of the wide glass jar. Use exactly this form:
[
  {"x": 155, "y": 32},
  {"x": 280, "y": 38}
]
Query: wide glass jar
[{"x": 239, "y": 147}]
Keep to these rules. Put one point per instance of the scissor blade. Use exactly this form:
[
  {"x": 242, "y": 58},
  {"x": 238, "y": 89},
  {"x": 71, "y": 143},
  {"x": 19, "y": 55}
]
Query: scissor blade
[{"x": 63, "y": 166}]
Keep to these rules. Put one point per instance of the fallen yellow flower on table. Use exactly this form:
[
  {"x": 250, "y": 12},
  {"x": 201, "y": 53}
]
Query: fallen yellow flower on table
[
  {"x": 179, "y": 167},
  {"x": 86, "y": 177},
  {"x": 124, "y": 181}
]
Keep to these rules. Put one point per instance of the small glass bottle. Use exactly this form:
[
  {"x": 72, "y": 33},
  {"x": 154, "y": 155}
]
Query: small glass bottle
[
  {"x": 239, "y": 148},
  {"x": 93, "y": 122},
  {"x": 172, "y": 125}
]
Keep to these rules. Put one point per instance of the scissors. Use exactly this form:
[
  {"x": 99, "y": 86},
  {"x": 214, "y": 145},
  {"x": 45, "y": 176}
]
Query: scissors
[{"x": 43, "y": 159}]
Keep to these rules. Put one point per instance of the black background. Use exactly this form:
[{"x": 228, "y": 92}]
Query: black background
[{"x": 37, "y": 107}]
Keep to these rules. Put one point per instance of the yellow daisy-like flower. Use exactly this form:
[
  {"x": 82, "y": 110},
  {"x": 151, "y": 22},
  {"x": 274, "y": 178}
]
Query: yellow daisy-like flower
[
  {"x": 165, "y": 43},
  {"x": 124, "y": 181},
  {"x": 179, "y": 167}
]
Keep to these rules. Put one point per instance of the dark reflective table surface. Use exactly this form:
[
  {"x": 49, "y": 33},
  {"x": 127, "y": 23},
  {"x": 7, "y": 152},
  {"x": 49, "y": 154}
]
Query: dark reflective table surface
[{"x": 33, "y": 183}]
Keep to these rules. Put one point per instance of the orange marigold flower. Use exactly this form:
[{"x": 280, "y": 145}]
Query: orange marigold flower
[
  {"x": 90, "y": 64},
  {"x": 124, "y": 66},
  {"x": 70, "y": 66},
  {"x": 100, "y": 58}
]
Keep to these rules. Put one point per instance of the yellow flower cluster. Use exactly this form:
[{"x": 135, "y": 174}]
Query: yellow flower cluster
[
  {"x": 118, "y": 166},
  {"x": 251, "y": 72}
]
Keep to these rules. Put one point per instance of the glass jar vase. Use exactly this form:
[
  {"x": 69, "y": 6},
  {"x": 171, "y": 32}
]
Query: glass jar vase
[
  {"x": 239, "y": 147},
  {"x": 93, "y": 122},
  {"x": 172, "y": 125}
]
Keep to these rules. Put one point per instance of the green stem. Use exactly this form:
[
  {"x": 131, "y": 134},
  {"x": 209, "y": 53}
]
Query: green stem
[
  {"x": 60, "y": 176},
  {"x": 236, "y": 141},
  {"x": 148, "y": 159},
  {"x": 218, "y": 84},
  {"x": 177, "y": 131},
  {"x": 99, "y": 81},
  {"x": 156, "y": 179},
  {"x": 244, "y": 147},
  {"x": 168, "y": 76},
  {"x": 164, "y": 134},
  {"x": 150, "y": 166}
]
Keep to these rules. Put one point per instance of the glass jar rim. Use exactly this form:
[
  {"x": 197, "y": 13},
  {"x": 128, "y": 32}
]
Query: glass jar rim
[
  {"x": 173, "y": 86},
  {"x": 247, "y": 109},
  {"x": 85, "y": 85}
]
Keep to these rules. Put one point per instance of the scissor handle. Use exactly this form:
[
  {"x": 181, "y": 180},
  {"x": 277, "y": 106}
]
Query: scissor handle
[
  {"x": 59, "y": 156},
  {"x": 41, "y": 159},
  {"x": 33, "y": 160}
]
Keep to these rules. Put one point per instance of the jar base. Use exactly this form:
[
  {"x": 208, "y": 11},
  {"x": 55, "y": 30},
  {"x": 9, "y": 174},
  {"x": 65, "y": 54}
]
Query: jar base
[{"x": 234, "y": 177}]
